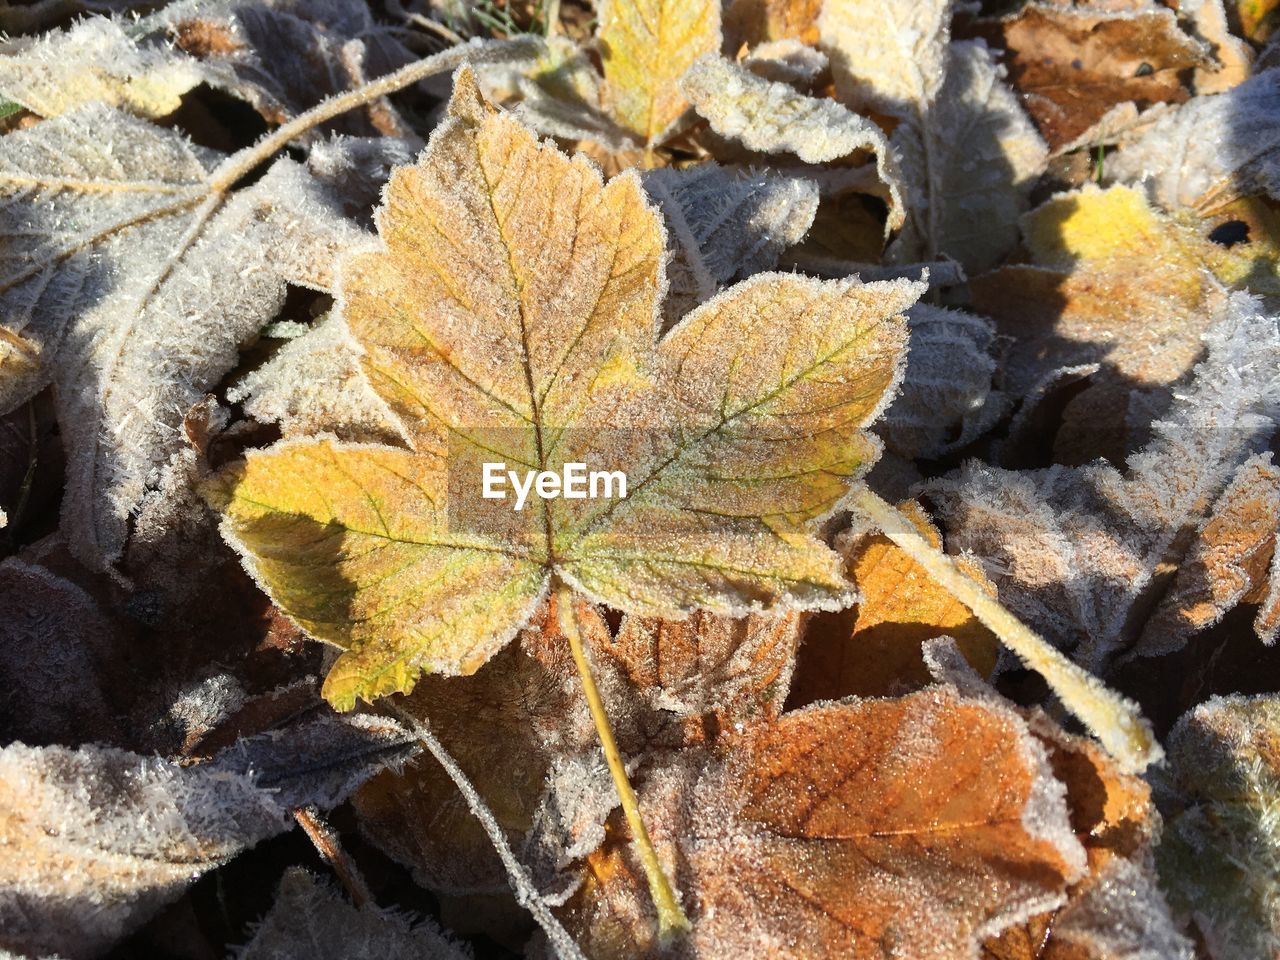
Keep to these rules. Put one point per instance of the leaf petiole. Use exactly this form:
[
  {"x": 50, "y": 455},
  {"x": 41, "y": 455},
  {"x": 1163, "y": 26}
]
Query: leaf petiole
[
  {"x": 671, "y": 918},
  {"x": 1113, "y": 719}
]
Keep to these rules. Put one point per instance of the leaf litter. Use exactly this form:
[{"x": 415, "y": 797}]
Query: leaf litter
[{"x": 937, "y": 344}]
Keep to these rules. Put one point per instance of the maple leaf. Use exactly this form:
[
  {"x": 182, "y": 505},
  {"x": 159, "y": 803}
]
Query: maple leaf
[
  {"x": 966, "y": 151},
  {"x": 898, "y": 828},
  {"x": 135, "y": 274},
  {"x": 1073, "y": 66},
  {"x": 1221, "y": 854},
  {"x": 514, "y": 341},
  {"x": 646, "y": 46}
]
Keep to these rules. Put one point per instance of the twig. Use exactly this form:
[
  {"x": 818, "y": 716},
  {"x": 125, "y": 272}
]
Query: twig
[
  {"x": 332, "y": 852},
  {"x": 521, "y": 884},
  {"x": 477, "y": 51},
  {"x": 1116, "y": 721},
  {"x": 671, "y": 918}
]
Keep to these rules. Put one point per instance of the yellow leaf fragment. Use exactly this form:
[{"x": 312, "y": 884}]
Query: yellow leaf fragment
[
  {"x": 900, "y": 608},
  {"x": 1113, "y": 280},
  {"x": 647, "y": 45},
  {"x": 509, "y": 315}
]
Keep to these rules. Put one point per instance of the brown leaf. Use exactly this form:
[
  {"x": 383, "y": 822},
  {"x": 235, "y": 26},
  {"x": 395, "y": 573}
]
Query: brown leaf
[
  {"x": 1073, "y": 65},
  {"x": 1230, "y": 559},
  {"x": 759, "y": 21},
  {"x": 900, "y": 608},
  {"x": 884, "y": 828}
]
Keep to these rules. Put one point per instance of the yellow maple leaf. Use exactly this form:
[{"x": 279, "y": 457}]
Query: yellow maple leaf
[
  {"x": 646, "y": 46},
  {"x": 509, "y": 315}
]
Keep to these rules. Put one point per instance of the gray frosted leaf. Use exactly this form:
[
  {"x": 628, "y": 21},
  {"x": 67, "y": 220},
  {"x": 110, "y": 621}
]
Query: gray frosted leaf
[
  {"x": 314, "y": 384},
  {"x": 1220, "y": 852},
  {"x": 945, "y": 400},
  {"x": 57, "y": 653},
  {"x": 311, "y": 919},
  {"x": 771, "y": 117},
  {"x": 968, "y": 154},
  {"x": 321, "y": 760},
  {"x": 284, "y": 56},
  {"x": 95, "y": 60},
  {"x": 98, "y": 839},
  {"x": 1073, "y": 550},
  {"x": 725, "y": 224},
  {"x": 138, "y": 290},
  {"x": 1210, "y": 149}
]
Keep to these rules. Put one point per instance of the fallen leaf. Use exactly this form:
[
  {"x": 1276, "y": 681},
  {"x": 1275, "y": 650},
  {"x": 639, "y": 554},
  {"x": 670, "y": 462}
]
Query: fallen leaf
[
  {"x": 1212, "y": 150},
  {"x": 98, "y": 839},
  {"x": 284, "y": 56},
  {"x": 968, "y": 155},
  {"x": 309, "y": 918},
  {"x": 771, "y": 117},
  {"x": 1073, "y": 65},
  {"x": 646, "y": 46},
  {"x": 1113, "y": 282},
  {"x": 725, "y": 224},
  {"x": 717, "y": 671},
  {"x": 528, "y": 339},
  {"x": 1229, "y": 560},
  {"x": 60, "y": 666},
  {"x": 759, "y": 21},
  {"x": 1234, "y": 57},
  {"x": 946, "y": 400},
  {"x": 878, "y": 828},
  {"x": 1075, "y": 550},
  {"x": 95, "y": 60},
  {"x": 314, "y": 384},
  {"x": 1221, "y": 854},
  {"x": 879, "y": 651},
  {"x": 137, "y": 295}
]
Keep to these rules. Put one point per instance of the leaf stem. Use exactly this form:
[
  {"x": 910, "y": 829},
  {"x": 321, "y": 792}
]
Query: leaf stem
[
  {"x": 1116, "y": 721},
  {"x": 521, "y": 884},
  {"x": 671, "y": 918},
  {"x": 476, "y": 51}
]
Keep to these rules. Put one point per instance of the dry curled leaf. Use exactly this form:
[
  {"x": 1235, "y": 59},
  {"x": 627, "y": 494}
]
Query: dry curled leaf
[
  {"x": 1074, "y": 65},
  {"x": 761, "y": 21},
  {"x": 529, "y": 337},
  {"x": 771, "y": 117},
  {"x": 878, "y": 828},
  {"x": 968, "y": 155},
  {"x": 646, "y": 46}
]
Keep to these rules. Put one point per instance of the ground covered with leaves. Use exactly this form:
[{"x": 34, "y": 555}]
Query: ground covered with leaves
[{"x": 940, "y": 344}]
